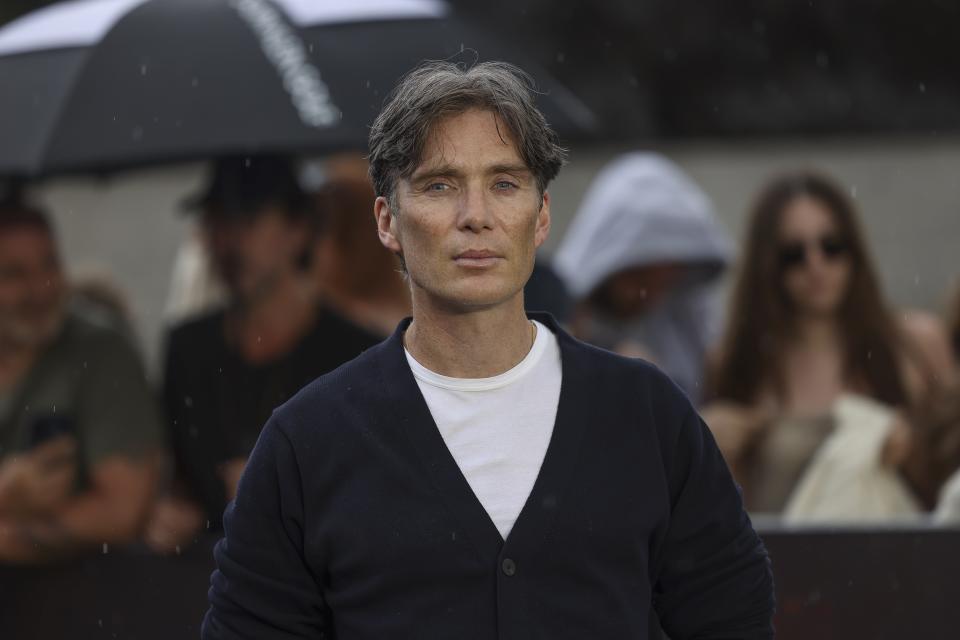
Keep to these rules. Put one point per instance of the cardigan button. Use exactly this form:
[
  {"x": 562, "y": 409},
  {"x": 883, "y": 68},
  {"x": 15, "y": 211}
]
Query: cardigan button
[{"x": 509, "y": 566}]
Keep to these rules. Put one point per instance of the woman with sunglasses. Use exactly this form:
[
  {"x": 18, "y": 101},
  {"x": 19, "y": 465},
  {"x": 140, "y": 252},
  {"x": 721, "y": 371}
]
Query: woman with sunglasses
[{"x": 808, "y": 324}]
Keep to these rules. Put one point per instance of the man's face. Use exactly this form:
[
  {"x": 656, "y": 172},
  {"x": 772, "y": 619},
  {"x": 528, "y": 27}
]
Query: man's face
[
  {"x": 251, "y": 254},
  {"x": 469, "y": 220},
  {"x": 31, "y": 286}
]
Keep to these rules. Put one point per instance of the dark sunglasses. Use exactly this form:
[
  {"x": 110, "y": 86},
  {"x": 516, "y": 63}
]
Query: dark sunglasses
[{"x": 794, "y": 254}]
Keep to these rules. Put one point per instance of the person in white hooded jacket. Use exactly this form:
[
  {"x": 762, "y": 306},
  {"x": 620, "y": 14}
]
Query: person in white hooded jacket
[{"x": 641, "y": 258}]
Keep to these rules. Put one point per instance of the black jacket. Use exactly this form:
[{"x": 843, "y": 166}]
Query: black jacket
[{"x": 354, "y": 522}]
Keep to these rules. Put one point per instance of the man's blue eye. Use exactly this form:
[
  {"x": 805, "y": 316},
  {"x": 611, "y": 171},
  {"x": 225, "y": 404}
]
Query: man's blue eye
[
  {"x": 437, "y": 186},
  {"x": 503, "y": 184}
]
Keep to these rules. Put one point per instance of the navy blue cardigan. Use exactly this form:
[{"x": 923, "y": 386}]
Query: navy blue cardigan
[{"x": 353, "y": 521}]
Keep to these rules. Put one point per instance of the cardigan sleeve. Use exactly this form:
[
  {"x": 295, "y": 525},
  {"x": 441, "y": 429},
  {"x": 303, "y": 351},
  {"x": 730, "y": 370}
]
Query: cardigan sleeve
[
  {"x": 263, "y": 587},
  {"x": 713, "y": 576}
]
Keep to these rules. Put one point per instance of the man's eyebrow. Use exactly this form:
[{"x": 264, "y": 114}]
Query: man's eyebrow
[
  {"x": 521, "y": 169},
  {"x": 438, "y": 171},
  {"x": 447, "y": 170}
]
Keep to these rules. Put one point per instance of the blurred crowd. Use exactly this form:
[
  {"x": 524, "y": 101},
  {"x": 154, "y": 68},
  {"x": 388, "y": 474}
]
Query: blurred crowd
[{"x": 829, "y": 404}]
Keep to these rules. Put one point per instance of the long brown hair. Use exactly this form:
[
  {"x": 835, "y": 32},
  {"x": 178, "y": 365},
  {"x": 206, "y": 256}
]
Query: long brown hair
[
  {"x": 761, "y": 313},
  {"x": 953, "y": 321}
]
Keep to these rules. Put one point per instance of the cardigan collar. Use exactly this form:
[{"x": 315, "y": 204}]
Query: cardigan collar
[{"x": 535, "y": 520}]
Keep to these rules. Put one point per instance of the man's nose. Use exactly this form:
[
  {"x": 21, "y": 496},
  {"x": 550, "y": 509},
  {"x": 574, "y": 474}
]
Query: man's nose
[{"x": 475, "y": 212}]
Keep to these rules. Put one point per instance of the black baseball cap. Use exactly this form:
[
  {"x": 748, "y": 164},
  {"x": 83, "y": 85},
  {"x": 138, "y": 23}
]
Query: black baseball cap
[{"x": 240, "y": 186}]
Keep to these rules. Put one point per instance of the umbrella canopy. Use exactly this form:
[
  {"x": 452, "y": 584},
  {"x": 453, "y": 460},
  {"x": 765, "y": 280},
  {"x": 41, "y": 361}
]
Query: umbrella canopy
[{"x": 96, "y": 85}]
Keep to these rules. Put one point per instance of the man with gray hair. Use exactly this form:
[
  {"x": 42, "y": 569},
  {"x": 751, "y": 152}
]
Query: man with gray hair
[{"x": 481, "y": 474}]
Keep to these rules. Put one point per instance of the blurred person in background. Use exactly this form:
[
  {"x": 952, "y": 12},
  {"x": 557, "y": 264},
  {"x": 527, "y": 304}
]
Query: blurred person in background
[
  {"x": 546, "y": 291},
  {"x": 357, "y": 275},
  {"x": 640, "y": 259},
  {"x": 926, "y": 451},
  {"x": 946, "y": 410},
  {"x": 79, "y": 427},
  {"x": 227, "y": 370},
  {"x": 808, "y": 323},
  {"x": 881, "y": 465},
  {"x": 939, "y": 472},
  {"x": 953, "y": 321}
]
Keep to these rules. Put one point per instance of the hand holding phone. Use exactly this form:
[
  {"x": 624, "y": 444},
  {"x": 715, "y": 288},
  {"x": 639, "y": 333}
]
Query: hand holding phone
[{"x": 38, "y": 481}]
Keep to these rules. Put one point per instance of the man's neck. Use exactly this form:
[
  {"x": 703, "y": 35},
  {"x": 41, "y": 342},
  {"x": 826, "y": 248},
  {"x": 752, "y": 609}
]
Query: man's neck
[{"x": 471, "y": 344}]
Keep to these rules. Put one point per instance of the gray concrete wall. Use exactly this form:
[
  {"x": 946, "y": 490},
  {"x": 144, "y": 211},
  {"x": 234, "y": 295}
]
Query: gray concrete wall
[
  {"x": 908, "y": 191},
  {"x": 128, "y": 227}
]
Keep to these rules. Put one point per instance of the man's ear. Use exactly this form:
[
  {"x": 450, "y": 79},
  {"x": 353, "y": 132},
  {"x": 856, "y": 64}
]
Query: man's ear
[
  {"x": 387, "y": 225},
  {"x": 543, "y": 221}
]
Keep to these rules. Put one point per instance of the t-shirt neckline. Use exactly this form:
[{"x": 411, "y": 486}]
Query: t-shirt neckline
[{"x": 434, "y": 379}]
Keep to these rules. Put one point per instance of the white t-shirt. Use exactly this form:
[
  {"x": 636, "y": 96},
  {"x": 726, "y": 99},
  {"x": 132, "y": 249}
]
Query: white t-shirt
[{"x": 498, "y": 428}]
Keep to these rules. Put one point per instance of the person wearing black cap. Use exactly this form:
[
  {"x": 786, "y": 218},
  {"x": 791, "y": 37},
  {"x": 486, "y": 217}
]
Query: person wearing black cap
[{"x": 226, "y": 371}]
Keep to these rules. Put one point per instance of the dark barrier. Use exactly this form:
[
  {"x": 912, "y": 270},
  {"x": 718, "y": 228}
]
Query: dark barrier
[
  {"x": 124, "y": 594},
  {"x": 874, "y": 584},
  {"x": 831, "y": 583}
]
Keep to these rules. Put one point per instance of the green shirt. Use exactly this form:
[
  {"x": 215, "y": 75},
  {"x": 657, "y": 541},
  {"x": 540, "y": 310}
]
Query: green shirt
[{"x": 91, "y": 378}]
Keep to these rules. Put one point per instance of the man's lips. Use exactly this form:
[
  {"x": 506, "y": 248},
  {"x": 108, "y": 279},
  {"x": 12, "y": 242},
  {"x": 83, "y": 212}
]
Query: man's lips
[
  {"x": 477, "y": 253},
  {"x": 477, "y": 258}
]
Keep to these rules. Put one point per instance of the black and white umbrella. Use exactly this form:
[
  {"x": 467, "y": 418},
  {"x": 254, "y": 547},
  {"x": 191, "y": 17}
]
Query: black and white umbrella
[{"x": 95, "y": 85}]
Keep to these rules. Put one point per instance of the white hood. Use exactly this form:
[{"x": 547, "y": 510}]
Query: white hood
[{"x": 641, "y": 209}]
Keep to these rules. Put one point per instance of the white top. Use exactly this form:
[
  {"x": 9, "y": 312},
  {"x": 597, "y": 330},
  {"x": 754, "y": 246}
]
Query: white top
[
  {"x": 948, "y": 506},
  {"x": 847, "y": 481},
  {"x": 498, "y": 428}
]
